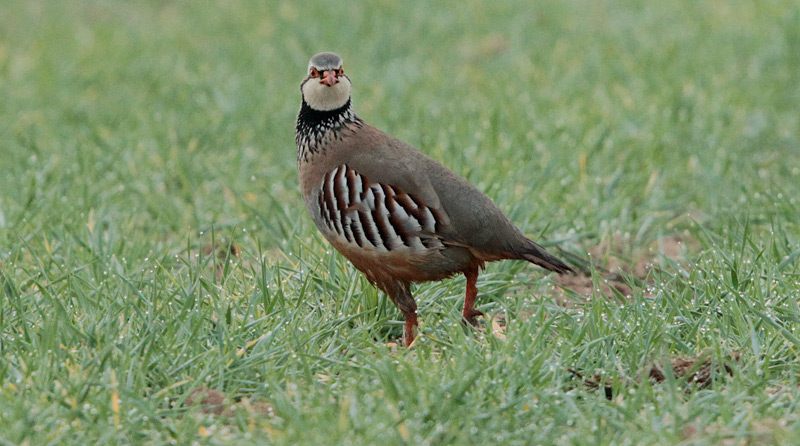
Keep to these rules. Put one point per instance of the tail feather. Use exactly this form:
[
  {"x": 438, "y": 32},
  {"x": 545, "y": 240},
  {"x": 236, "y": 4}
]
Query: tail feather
[{"x": 539, "y": 256}]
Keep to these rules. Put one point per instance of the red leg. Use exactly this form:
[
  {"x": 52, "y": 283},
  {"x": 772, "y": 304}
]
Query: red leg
[
  {"x": 411, "y": 328},
  {"x": 470, "y": 312},
  {"x": 400, "y": 293}
]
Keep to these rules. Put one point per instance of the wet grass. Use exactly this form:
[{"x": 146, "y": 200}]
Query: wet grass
[{"x": 153, "y": 240}]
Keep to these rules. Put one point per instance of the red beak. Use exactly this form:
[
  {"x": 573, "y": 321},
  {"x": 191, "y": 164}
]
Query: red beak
[{"x": 329, "y": 78}]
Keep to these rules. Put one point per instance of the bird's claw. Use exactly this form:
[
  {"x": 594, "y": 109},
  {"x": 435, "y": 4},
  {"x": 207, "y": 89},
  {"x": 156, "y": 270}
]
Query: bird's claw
[{"x": 469, "y": 317}]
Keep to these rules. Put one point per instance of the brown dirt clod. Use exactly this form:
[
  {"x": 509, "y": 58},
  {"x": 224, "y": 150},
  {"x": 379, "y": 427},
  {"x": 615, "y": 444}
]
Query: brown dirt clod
[
  {"x": 613, "y": 262},
  {"x": 699, "y": 371},
  {"x": 214, "y": 402},
  {"x": 209, "y": 400},
  {"x": 223, "y": 249}
]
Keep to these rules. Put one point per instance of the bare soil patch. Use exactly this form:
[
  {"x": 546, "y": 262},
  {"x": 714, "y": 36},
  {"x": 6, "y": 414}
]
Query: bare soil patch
[
  {"x": 616, "y": 266},
  {"x": 697, "y": 371},
  {"x": 210, "y": 401}
]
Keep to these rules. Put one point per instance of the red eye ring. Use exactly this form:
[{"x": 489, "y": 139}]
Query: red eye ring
[{"x": 313, "y": 72}]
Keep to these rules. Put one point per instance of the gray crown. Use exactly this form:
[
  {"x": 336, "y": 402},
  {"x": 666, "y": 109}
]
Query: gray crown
[{"x": 324, "y": 61}]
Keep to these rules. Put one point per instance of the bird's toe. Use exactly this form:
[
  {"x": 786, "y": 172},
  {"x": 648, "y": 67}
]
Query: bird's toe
[{"x": 471, "y": 316}]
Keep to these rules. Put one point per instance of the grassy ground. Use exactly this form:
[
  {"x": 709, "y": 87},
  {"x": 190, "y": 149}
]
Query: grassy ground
[{"x": 153, "y": 240}]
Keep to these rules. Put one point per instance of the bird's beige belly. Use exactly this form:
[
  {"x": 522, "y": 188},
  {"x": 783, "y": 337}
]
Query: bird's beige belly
[{"x": 408, "y": 266}]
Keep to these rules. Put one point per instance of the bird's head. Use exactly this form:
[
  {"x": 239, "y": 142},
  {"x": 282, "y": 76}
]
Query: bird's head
[{"x": 325, "y": 86}]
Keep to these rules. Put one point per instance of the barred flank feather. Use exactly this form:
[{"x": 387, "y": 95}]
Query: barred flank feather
[{"x": 373, "y": 215}]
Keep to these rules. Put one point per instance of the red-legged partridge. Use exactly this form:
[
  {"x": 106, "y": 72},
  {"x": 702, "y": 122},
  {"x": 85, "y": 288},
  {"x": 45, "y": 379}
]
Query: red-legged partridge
[{"x": 395, "y": 213}]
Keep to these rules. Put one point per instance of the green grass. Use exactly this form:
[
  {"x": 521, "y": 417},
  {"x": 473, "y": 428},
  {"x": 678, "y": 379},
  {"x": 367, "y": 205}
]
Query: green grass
[{"x": 133, "y": 134}]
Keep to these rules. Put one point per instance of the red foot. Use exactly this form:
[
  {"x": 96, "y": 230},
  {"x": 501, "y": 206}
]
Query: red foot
[
  {"x": 410, "y": 332},
  {"x": 469, "y": 317}
]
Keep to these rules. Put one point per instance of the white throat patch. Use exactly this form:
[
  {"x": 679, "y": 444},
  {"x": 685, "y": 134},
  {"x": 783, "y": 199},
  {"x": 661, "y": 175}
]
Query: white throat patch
[{"x": 324, "y": 98}]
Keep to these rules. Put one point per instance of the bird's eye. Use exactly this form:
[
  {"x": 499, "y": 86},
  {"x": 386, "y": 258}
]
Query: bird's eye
[
  {"x": 340, "y": 72},
  {"x": 313, "y": 72}
]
